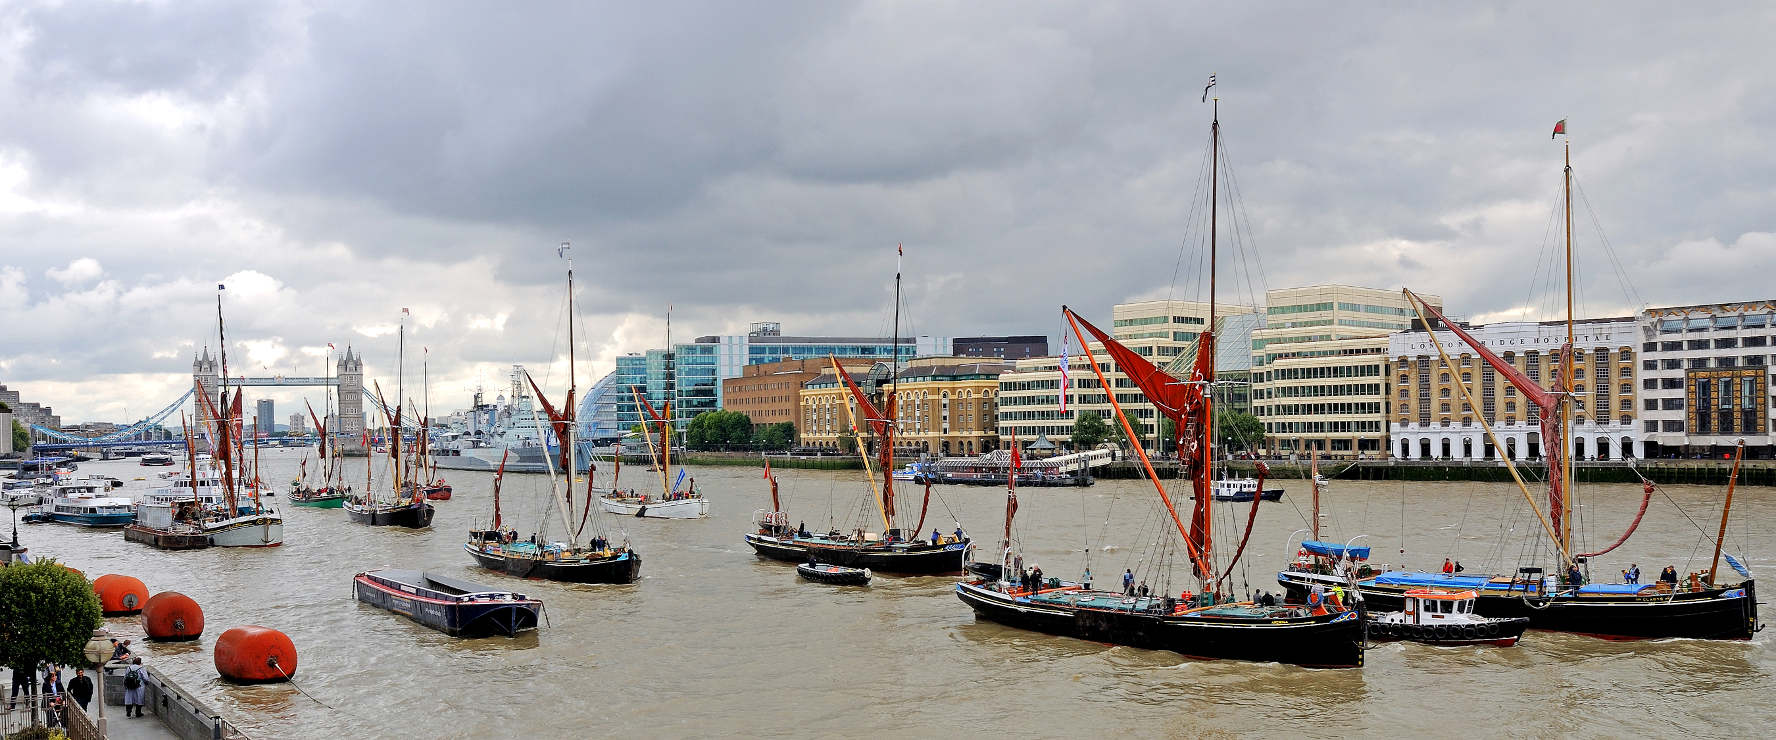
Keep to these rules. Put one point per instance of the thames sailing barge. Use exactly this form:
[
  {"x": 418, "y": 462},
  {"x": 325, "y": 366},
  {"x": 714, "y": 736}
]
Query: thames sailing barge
[
  {"x": 1701, "y": 606},
  {"x": 579, "y": 558},
  {"x": 1208, "y": 623},
  {"x": 449, "y": 605}
]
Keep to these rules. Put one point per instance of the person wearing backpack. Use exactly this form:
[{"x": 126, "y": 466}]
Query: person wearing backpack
[{"x": 134, "y": 689}]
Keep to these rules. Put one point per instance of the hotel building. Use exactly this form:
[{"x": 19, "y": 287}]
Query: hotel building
[{"x": 1429, "y": 420}]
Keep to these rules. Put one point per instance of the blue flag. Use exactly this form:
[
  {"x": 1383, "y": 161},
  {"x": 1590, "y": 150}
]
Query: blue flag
[
  {"x": 681, "y": 479},
  {"x": 1738, "y": 566}
]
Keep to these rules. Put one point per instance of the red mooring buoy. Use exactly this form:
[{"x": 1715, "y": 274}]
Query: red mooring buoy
[
  {"x": 120, "y": 595},
  {"x": 254, "y": 654},
  {"x": 172, "y": 616}
]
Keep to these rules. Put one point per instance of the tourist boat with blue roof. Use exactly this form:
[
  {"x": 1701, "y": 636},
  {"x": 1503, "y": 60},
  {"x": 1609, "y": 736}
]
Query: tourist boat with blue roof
[
  {"x": 82, "y": 501},
  {"x": 449, "y": 605},
  {"x": 1206, "y": 621}
]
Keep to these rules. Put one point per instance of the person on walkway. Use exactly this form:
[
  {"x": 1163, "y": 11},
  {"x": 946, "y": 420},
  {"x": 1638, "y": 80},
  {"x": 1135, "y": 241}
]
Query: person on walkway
[
  {"x": 81, "y": 688},
  {"x": 135, "y": 688},
  {"x": 1448, "y": 567},
  {"x": 21, "y": 684},
  {"x": 1128, "y": 582}
]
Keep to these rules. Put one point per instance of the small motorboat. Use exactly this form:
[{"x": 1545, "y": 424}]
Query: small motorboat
[
  {"x": 450, "y": 605},
  {"x": 837, "y": 575},
  {"x": 438, "y": 491},
  {"x": 1242, "y": 490},
  {"x": 1445, "y": 618}
]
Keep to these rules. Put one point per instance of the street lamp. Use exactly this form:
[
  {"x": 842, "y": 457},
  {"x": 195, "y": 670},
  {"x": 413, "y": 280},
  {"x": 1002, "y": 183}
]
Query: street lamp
[{"x": 98, "y": 650}]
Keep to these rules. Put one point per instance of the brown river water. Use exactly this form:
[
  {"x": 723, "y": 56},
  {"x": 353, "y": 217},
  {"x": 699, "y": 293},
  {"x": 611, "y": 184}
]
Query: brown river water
[{"x": 716, "y": 642}]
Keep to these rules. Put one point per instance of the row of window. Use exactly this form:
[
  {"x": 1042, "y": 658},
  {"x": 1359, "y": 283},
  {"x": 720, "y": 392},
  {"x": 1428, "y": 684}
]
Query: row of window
[
  {"x": 1718, "y": 323},
  {"x": 1151, "y": 320}
]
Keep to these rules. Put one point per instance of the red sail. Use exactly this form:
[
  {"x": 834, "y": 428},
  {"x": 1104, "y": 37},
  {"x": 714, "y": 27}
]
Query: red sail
[
  {"x": 1647, "y": 487},
  {"x": 499, "y": 475},
  {"x": 774, "y": 505},
  {"x": 920, "y": 527},
  {"x": 560, "y": 422},
  {"x": 320, "y": 429},
  {"x": 587, "y": 509},
  {"x": 1546, "y": 400},
  {"x": 878, "y": 423},
  {"x": 1011, "y": 490},
  {"x": 1167, "y": 393},
  {"x": 1191, "y": 434}
]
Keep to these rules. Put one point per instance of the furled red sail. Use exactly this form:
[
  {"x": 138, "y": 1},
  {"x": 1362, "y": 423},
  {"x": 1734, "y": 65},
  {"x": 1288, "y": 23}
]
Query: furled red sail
[
  {"x": 320, "y": 429},
  {"x": 559, "y": 422},
  {"x": 1546, "y": 400},
  {"x": 878, "y": 423}
]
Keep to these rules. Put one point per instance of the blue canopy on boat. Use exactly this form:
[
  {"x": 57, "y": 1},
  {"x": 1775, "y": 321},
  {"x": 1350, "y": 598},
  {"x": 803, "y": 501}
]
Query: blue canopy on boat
[
  {"x": 1409, "y": 578},
  {"x": 1335, "y": 550},
  {"x": 1627, "y": 589}
]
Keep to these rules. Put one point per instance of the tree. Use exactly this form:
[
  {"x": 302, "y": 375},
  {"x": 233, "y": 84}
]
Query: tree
[
  {"x": 1089, "y": 430},
  {"x": 47, "y": 613},
  {"x": 719, "y": 428},
  {"x": 779, "y": 436},
  {"x": 21, "y": 437},
  {"x": 848, "y": 442},
  {"x": 1238, "y": 431}
]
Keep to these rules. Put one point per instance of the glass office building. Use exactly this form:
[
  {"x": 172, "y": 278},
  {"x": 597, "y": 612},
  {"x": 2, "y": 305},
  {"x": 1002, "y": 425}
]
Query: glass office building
[{"x": 699, "y": 366}]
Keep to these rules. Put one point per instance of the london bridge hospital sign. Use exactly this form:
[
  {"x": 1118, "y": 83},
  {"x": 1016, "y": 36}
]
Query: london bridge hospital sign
[{"x": 1513, "y": 337}]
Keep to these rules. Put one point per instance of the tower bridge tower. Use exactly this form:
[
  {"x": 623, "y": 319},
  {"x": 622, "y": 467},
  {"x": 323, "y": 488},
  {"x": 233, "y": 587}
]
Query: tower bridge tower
[
  {"x": 206, "y": 379},
  {"x": 350, "y": 372}
]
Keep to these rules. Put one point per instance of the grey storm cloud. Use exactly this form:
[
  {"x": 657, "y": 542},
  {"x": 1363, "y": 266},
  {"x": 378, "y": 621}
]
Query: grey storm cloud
[{"x": 759, "y": 162}]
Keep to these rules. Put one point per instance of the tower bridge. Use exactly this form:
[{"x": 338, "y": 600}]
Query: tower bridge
[{"x": 346, "y": 423}]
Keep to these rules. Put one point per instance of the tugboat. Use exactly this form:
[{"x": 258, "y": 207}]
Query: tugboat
[
  {"x": 594, "y": 559},
  {"x": 1436, "y": 617},
  {"x": 452, "y": 606}
]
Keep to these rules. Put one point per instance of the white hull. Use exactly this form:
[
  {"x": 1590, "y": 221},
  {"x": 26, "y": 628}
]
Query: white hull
[
  {"x": 687, "y": 508},
  {"x": 247, "y": 531}
]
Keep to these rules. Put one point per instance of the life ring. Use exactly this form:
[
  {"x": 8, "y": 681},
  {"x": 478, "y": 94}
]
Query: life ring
[{"x": 1313, "y": 598}]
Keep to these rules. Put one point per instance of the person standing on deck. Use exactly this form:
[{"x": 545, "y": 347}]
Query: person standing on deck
[
  {"x": 1448, "y": 567},
  {"x": 1128, "y": 582},
  {"x": 1632, "y": 574},
  {"x": 1036, "y": 578}
]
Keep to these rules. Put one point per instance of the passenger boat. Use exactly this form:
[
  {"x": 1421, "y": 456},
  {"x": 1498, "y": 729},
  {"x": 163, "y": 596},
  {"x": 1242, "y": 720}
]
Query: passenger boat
[
  {"x": 81, "y": 501},
  {"x": 449, "y": 605},
  {"x": 895, "y": 548},
  {"x": 156, "y": 459},
  {"x": 836, "y": 575},
  {"x": 1437, "y": 617},
  {"x": 575, "y": 558},
  {"x": 1242, "y": 490},
  {"x": 1208, "y": 623},
  {"x": 671, "y": 503}
]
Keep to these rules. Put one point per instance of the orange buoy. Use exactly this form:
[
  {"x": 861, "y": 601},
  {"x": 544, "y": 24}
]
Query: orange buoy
[
  {"x": 254, "y": 654},
  {"x": 120, "y": 595},
  {"x": 170, "y": 615}
]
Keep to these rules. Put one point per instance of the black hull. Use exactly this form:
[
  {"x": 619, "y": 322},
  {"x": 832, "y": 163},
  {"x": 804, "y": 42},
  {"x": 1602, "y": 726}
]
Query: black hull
[
  {"x": 922, "y": 559},
  {"x": 605, "y": 570},
  {"x": 1268, "y": 494},
  {"x": 1333, "y": 641},
  {"x": 412, "y": 517},
  {"x": 847, "y": 577},
  {"x": 1490, "y": 632},
  {"x": 1702, "y": 615},
  {"x": 473, "y": 619}
]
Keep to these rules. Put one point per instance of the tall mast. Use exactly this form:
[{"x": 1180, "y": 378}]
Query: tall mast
[
  {"x": 1209, "y": 454},
  {"x": 890, "y": 404},
  {"x": 226, "y": 413},
  {"x": 1725, "y": 508},
  {"x": 671, "y": 388},
  {"x": 573, "y": 421},
  {"x": 1566, "y": 369},
  {"x": 400, "y": 394}
]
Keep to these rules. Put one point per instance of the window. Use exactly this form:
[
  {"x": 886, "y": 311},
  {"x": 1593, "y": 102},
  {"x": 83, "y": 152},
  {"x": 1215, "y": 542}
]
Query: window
[
  {"x": 1649, "y": 364},
  {"x": 1650, "y": 384},
  {"x": 1671, "y": 346},
  {"x": 1443, "y": 408},
  {"x": 1651, "y": 404},
  {"x": 1698, "y": 363},
  {"x": 1757, "y": 341},
  {"x": 1651, "y": 426},
  {"x": 1625, "y": 372},
  {"x": 1726, "y": 362},
  {"x": 1649, "y": 347},
  {"x": 1671, "y": 364},
  {"x": 1510, "y": 407},
  {"x": 1726, "y": 343},
  {"x": 1670, "y": 383},
  {"x": 1671, "y": 426},
  {"x": 1627, "y": 389},
  {"x": 1626, "y": 420},
  {"x": 1697, "y": 344},
  {"x": 1754, "y": 360},
  {"x": 1667, "y": 404}
]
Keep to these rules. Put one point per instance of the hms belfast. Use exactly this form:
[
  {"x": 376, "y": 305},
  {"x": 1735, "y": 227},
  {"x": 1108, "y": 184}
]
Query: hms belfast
[{"x": 488, "y": 430}]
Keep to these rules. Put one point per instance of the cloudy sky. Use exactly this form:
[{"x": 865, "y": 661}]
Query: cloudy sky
[{"x": 333, "y": 163}]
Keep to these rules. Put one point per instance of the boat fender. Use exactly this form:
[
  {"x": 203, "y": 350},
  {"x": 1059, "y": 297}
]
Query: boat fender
[{"x": 1470, "y": 631}]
